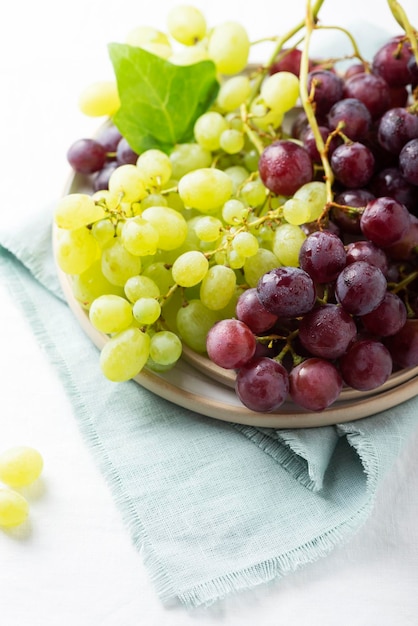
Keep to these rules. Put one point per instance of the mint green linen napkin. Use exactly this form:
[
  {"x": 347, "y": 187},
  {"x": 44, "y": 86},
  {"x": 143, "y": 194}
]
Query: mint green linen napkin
[{"x": 213, "y": 507}]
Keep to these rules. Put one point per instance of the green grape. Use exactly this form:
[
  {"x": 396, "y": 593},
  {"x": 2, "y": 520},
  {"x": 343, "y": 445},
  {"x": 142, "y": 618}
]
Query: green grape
[
  {"x": 155, "y": 168},
  {"x": 160, "y": 275},
  {"x": 229, "y": 47},
  {"x": 287, "y": 242},
  {"x": 296, "y": 211},
  {"x": 141, "y": 287},
  {"x": 20, "y": 466},
  {"x": 234, "y": 259},
  {"x": 118, "y": 264},
  {"x": 141, "y": 35},
  {"x": 245, "y": 244},
  {"x": 238, "y": 175},
  {"x": 106, "y": 198},
  {"x": 264, "y": 117},
  {"x": 260, "y": 263},
  {"x": 126, "y": 180},
  {"x": 139, "y": 236},
  {"x": 165, "y": 348},
  {"x": 217, "y": 287},
  {"x": 125, "y": 354},
  {"x": 100, "y": 99},
  {"x": 190, "y": 268},
  {"x": 234, "y": 211},
  {"x": 186, "y": 24},
  {"x": 194, "y": 322},
  {"x": 154, "y": 199},
  {"x": 233, "y": 92},
  {"x": 169, "y": 224},
  {"x": 231, "y": 141},
  {"x": 208, "y": 228},
  {"x": 253, "y": 193},
  {"x": 315, "y": 196},
  {"x": 280, "y": 91},
  {"x": 110, "y": 313},
  {"x": 208, "y": 130},
  {"x": 91, "y": 284},
  {"x": 146, "y": 310},
  {"x": 103, "y": 231},
  {"x": 76, "y": 210},
  {"x": 205, "y": 189},
  {"x": 186, "y": 157},
  {"x": 14, "y": 508},
  {"x": 189, "y": 55},
  {"x": 251, "y": 159},
  {"x": 75, "y": 250}
]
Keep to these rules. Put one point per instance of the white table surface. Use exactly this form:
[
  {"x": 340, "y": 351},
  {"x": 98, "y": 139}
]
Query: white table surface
[{"x": 74, "y": 563}]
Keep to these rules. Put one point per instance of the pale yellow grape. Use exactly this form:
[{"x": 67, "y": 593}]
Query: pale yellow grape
[
  {"x": 234, "y": 211},
  {"x": 169, "y": 224},
  {"x": 229, "y": 47},
  {"x": 194, "y": 321},
  {"x": 245, "y": 244},
  {"x": 139, "y": 236},
  {"x": 190, "y": 268},
  {"x": 251, "y": 159},
  {"x": 125, "y": 354},
  {"x": 315, "y": 196},
  {"x": 205, "y": 189},
  {"x": 141, "y": 35},
  {"x": 155, "y": 168},
  {"x": 146, "y": 310},
  {"x": 208, "y": 228},
  {"x": 233, "y": 92},
  {"x": 165, "y": 348},
  {"x": 186, "y": 157},
  {"x": 287, "y": 242},
  {"x": 126, "y": 180},
  {"x": 253, "y": 193},
  {"x": 158, "y": 49},
  {"x": 91, "y": 284},
  {"x": 14, "y": 508},
  {"x": 154, "y": 199},
  {"x": 76, "y": 210},
  {"x": 75, "y": 250},
  {"x": 238, "y": 175},
  {"x": 208, "y": 130},
  {"x": 100, "y": 99},
  {"x": 232, "y": 141},
  {"x": 234, "y": 259},
  {"x": 280, "y": 91},
  {"x": 260, "y": 263},
  {"x": 186, "y": 24},
  {"x": 20, "y": 466},
  {"x": 264, "y": 117},
  {"x": 218, "y": 287},
  {"x": 118, "y": 264},
  {"x": 103, "y": 231},
  {"x": 110, "y": 313},
  {"x": 296, "y": 211},
  {"x": 160, "y": 275},
  {"x": 141, "y": 287},
  {"x": 189, "y": 55}
]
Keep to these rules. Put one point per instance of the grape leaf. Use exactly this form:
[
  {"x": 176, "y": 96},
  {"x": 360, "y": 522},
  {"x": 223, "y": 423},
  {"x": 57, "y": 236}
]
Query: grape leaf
[{"x": 160, "y": 101}]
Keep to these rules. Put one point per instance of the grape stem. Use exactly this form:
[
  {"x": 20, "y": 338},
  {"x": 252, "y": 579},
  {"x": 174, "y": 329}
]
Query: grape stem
[
  {"x": 402, "y": 19},
  {"x": 356, "y": 52}
]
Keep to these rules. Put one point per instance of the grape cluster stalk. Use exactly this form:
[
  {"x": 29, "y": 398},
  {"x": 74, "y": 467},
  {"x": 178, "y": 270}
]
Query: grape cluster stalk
[{"x": 280, "y": 240}]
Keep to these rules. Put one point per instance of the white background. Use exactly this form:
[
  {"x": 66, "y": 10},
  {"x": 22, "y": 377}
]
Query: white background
[{"x": 74, "y": 563}]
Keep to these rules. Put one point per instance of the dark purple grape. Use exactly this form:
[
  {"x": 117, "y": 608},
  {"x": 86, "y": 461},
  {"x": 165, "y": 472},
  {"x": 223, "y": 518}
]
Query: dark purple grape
[
  {"x": 230, "y": 343},
  {"x": 384, "y": 221},
  {"x": 109, "y": 137},
  {"x": 309, "y": 143},
  {"x": 372, "y": 90},
  {"x": 390, "y": 182},
  {"x": 250, "y": 311},
  {"x": 124, "y": 153},
  {"x": 399, "y": 97},
  {"x": 352, "y": 70},
  {"x": 408, "y": 161},
  {"x": 101, "y": 179},
  {"x": 285, "y": 166},
  {"x": 406, "y": 248},
  {"x": 386, "y": 319},
  {"x": 352, "y": 164},
  {"x": 326, "y": 88},
  {"x": 349, "y": 222},
  {"x": 413, "y": 71},
  {"x": 369, "y": 252},
  {"x": 354, "y": 117},
  {"x": 287, "y": 292},
  {"x": 396, "y": 127},
  {"x": 366, "y": 365},
  {"x": 326, "y": 331},
  {"x": 391, "y": 62},
  {"x": 86, "y": 156},
  {"x": 315, "y": 384},
  {"x": 262, "y": 385},
  {"x": 360, "y": 287},
  {"x": 403, "y": 346},
  {"x": 288, "y": 60},
  {"x": 322, "y": 256}
]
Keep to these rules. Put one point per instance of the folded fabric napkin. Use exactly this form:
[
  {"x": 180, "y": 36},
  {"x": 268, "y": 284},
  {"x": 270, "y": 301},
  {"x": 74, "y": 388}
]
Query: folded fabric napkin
[{"x": 214, "y": 507}]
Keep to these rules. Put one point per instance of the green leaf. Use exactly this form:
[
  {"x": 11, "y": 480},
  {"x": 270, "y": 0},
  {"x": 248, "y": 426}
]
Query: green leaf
[{"x": 160, "y": 101}]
